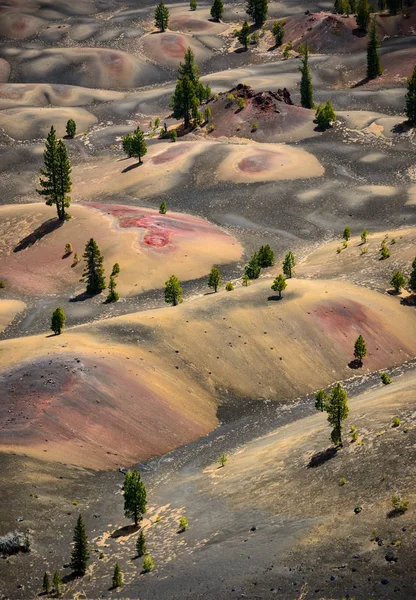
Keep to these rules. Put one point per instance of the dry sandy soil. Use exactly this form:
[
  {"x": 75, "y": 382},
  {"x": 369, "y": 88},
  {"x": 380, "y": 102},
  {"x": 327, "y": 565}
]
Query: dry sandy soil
[{"x": 170, "y": 389}]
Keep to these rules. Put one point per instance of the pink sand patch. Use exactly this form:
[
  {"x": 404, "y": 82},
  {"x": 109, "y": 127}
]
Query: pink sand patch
[
  {"x": 259, "y": 163},
  {"x": 173, "y": 45},
  {"x": 169, "y": 154}
]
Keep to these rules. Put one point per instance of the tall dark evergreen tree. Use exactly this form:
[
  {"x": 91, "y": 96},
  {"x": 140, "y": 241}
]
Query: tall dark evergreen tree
[
  {"x": 244, "y": 35},
  {"x": 113, "y": 295},
  {"x": 80, "y": 554},
  {"x": 336, "y": 405},
  {"x": 363, "y": 15},
  {"x": 373, "y": 58},
  {"x": 93, "y": 275},
  {"x": 289, "y": 264},
  {"x": 265, "y": 256},
  {"x": 214, "y": 279},
  {"x": 58, "y": 320},
  {"x": 161, "y": 16},
  {"x": 135, "y": 498},
  {"x": 257, "y": 10},
  {"x": 138, "y": 145},
  {"x": 412, "y": 278},
  {"x": 184, "y": 101},
  {"x": 141, "y": 545},
  {"x": 411, "y": 98},
  {"x": 360, "y": 349},
  {"x": 55, "y": 182},
  {"x": 306, "y": 92},
  {"x": 191, "y": 69},
  {"x": 253, "y": 269},
  {"x": 217, "y": 10}
]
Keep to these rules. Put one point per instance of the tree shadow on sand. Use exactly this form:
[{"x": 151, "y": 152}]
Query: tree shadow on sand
[
  {"x": 355, "y": 364},
  {"x": 409, "y": 300},
  {"x": 124, "y": 531},
  {"x": 131, "y": 167},
  {"x": 320, "y": 458},
  {"x": 40, "y": 232},
  {"x": 274, "y": 298},
  {"x": 81, "y": 297}
]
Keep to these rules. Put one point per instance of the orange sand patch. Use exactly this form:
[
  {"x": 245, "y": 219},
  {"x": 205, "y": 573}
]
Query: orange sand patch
[
  {"x": 8, "y": 310},
  {"x": 248, "y": 163}
]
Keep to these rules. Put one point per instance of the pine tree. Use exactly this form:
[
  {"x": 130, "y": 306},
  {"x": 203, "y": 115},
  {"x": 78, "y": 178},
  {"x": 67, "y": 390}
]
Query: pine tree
[
  {"x": 71, "y": 128},
  {"x": 257, "y": 10},
  {"x": 265, "y": 257},
  {"x": 346, "y": 234},
  {"x": 325, "y": 115},
  {"x": 55, "y": 182},
  {"x": 338, "y": 5},
  {"x": 373, "y": 59},
  {"x": 360, "y": 349},
  {"x": 113, "y": 295},
  {"x": 141, "y": 545},
  {"x": 184, "y": 101},
  {"x": 80, "y": 554},
  {"x": 163, "y": 209},
  {"x": 397, "y": 281},
  {"x": 57, "y": 583},
  {"x": 214, "y": 279},
  {"x": 138, "y": 145},
  {"x": 244, "y": 35},
  {"x": 46, "y": 585},
  {"x": 127, "y": 144},
  {"x": 278, "y": 30},
  {"x": 363, "y": 15},
  {"x": 279, "y": 284},
  {"x": 336, "y": 407},
  {"x": 217, "y": 10},
  {"x": 173, "y": 291},
  {"x": 192, "y": 5},
  {"x": 135, "y": 498},
  {"x": 288, "y": 265},
  {"x": 306, "y": 93},
  {"x": 161, "y": 16},
  {"x": 253, "y": 268},
  {"x": 412, "y": 278},
  {"x": 321, "y": 399},
  {"x": 117, "y": 577},
  {"x": 411, "y": 98},
  {"x": 191, "y": 70},
  {"x": 93, "y": 275},
  {"x": 58, "y": 320}
]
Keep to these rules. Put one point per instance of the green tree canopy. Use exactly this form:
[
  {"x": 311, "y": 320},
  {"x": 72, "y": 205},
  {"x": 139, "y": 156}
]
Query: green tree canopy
[
  {"x": 141, "y": 545},
  {"x": 163, "y": 209},
  {"x": 173, "y": 291},
  {"x": 127, "y": 144},
  {"x": 217, "y": 10},
  {"x": 360, "y": 349},
  {"x": 214, "y": 279},
  {"x": 55, "y": 181},
  {"x": 71, "y": 128},
  {"x": 278, "y": 31},
  {"x": 161, "y": 16},
  {"x": 265, "y": 256},
  {"x": 373, "y": 58},
  {"x": 135, "y": 498},
  {"x": 192, "y": 5},
  {"x": 80, "y": 554},
  {"x": 412, "y": 278},
  {"x": 411, "y": 98},
  {"x": 306, "y": 92},
  {"x": 363, "y": 15},
  {"x": 321, "y": 400},
  {"x": 113, "y": 295},
  {"x": 325, "y": 115},
  {"x": 336, "y": 407},
  {"x": 184, "y": 101},
  {"x": 279, "y": 284},
  {"x": 244, "y": 35},
  {"x": 117, "y": 576},
  {"x": 58, "y": 320},
  {"x": 57, "y": 583},
  {"x": 46, "y": 584},
  {"x": 138, "y": 145},
  {"x": 257, "y": 10},
  {"x": 397, "y": 281},
  {"x": 289, "y": 264},
  {"x": 346, "y": 234},
  {"x": 253, "y": 269},
  {"x": 93, "y": 274}
]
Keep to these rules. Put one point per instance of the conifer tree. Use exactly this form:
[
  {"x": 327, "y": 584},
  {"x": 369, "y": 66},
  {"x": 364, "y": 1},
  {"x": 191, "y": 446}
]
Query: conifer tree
[
  {"x": 135, "y": 498},
  {"x": 265, "y": 256},
  {"x": 184, "y": 101},
  {"x": 71, "y": 128},
  {"x": 80, "y": 554},
  {"x": 373, "y": 58},
  {"x": 214, "y": 279},
  {"x": 257, "y": 10},
  {"x": 173, "y": 291},
  {"x": 117, "y": 577},
  {"x": 244, "y": 35},
  {"x": 57, "y": 583},
  {"x": 138, "y": 145},
  {"x": 320, "y": 400},
  {"x": 127, "y": 144},
  {"x": 58, "y": 320},
  {"x": 191, "y": 69},
  {"x": 93, "y": 275},
  {"x": 278, "y": 30},
  {"x": 279, "y": 284},
  {"x": 346, "y": 234},
  {"x": 253, "y": 268},
  {"x": 397, "y": 281},
  {"x": 46, "y": 584},
  {"x": 55, "y": 182},
  {"x": 161, "y": 16},
  {"x": 336, "y": 406},
  {"x": 363, "y": 15},
  {"x": 412, "y": 278},
  {"x": 192, "y": 5},
  {"x": 163, "y": 209},
  {"x": 360, "y": 349},
  {"x": 113, "y": 295},
  {"x": 325, "y": 115},
  {"x": 289, "y": 264},
  {"x": 217, "y": 10},
  {"x": 411, "y": 98},
  {"x": 141, "y": 545},
  {"x": 306, "y": 92}
]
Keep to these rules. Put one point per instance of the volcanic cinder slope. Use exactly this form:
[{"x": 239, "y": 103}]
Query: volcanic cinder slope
[{"x": 171, "y": 389}]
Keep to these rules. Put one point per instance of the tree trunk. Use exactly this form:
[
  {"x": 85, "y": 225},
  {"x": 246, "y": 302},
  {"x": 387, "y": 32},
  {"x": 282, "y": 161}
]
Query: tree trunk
[{"x": 280, "y": 294}]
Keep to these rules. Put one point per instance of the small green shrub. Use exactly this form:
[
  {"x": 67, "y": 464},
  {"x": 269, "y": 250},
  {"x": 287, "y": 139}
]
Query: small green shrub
[
  {"x": 342, "y": 481},
  {"x": 395, "y": 422},
  {"x": 222, "y": 460},
  {"x": 210, "y": 127},
  {"x": 230, "y": 99},
  {"x": 173, "y": 135},
  {"x": 229, "y": 286},
  {"x": 385, "y": 252},
  {"x": 254, "y": 127},
  {"x": 101, "y": 555},
  {"x": 385, "y": 378},
  {"x": 158, "y": 519},
  {"x": 399, "y": 505},
  {"x": 2, "y": 285},
  {"x": 354, "y": 436},
  {"x": 393, "y": 241},
  {"x": 75, "y": 502},
  {"x": 148, "y": 564},
  {"x": 364, "y": 250},
  {"x": 339, "y": 250},
  {"x": 241, "y": 103},
  {"x": 345, "y": 244},
  {"x": 183, "y": 523}
]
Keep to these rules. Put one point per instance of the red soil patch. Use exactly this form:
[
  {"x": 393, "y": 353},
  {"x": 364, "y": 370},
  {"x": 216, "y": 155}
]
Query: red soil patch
[
  {"x": 169, "y": 155},
  {"x": 256, "y": 164},
  {"x": 173, "y": 45}
]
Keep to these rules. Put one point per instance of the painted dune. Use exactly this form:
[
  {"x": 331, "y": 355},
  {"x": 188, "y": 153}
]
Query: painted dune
[{"x": 148, "y": 246}]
